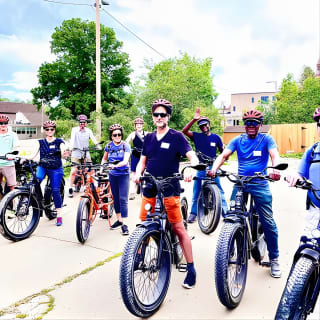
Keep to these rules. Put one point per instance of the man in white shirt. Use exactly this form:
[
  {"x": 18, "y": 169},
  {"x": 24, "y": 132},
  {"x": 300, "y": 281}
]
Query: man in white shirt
[{"x": 80, "y": 137}]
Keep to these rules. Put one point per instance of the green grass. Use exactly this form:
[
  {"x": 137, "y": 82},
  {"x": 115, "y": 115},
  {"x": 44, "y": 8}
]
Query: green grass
[{"x": 297, "y": 155}]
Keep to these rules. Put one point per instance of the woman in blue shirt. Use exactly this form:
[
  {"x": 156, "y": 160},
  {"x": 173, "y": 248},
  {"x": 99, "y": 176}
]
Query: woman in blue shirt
[{"x": 118, "y": 150}]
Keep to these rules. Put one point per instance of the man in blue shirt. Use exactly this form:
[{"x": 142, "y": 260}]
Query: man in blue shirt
[
  {"x": 253, "y": 151},
  {"x": 309, "y": 168},
  {"x": 207, "y": 143}
]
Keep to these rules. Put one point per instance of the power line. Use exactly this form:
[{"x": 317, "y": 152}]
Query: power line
[
  {"x": 134, "y": 34},
  {"x": 72, "y": 3}
]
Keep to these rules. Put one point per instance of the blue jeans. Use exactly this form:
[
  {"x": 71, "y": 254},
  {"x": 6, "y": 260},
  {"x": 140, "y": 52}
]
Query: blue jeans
[
  {"x": 55, "y": 176},
  {"x": 262, "y": 197},
  {"x": 196, "y": 191},
  {"x": 120, "y": 189}
]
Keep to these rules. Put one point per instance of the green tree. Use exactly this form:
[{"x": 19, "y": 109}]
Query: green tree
[
  {"x": 306, "y": 73},
  {"x": 71, "y": 78},
  {"x": 187, "y": 83}
]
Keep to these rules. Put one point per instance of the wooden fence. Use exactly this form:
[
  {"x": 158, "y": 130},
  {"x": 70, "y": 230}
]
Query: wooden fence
[{"x": 290, "y": 138}]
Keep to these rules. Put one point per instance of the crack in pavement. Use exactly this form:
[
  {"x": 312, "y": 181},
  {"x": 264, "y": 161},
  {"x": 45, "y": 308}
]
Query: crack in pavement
[{"x": 37, "y": 305}]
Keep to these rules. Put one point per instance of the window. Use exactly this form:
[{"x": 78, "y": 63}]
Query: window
[
  {"x": 252, "y": 100},
  {"x": 273, "y": 98},
  {"x": 234, "y": 108},
  {"x": 265, "y": 99},
  {"x": 24, "y": 130}
]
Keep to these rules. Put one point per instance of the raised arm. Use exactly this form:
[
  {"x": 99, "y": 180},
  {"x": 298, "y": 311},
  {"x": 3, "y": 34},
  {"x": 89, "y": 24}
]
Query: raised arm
[{"x": 186, "y": 130}]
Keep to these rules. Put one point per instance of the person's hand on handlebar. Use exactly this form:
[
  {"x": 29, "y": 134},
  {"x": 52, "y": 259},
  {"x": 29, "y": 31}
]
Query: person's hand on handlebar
[
  {"x": 293, "y": 178},
  {"x": 136, "y": 177},
  {"x": 275, "y": 175},
  {"x": 212, "y": 173}
]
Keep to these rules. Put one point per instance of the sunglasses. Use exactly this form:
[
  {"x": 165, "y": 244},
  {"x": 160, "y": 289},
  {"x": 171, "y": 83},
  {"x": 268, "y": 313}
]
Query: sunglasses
[
  {"x": 82, "y": 122},
  {"x": 117, "y": 135},
  {"x": 161, "y": 114},
  {"x": 3, "y": 123},
  {"x": 49, "y": 129},
  {"x": 251, "y": 123}
]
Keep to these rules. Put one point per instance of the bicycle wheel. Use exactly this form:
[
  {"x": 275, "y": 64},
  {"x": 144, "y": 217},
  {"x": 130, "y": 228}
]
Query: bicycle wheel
[
  {"x": 18, "y": 217},
  {"x": 294, "y": 303},
  {"x": 259, "y": 248},
  {"x": 209, "y": 208},
  {"x": 231, "y": 264},
  {"x": 83, "y": 223},
  {"x": 50, "y": 209},
  {"x": 143, "y": 281}
]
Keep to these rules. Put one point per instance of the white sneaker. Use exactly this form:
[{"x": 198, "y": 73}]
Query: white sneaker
[{"x": 275, "y": 268}]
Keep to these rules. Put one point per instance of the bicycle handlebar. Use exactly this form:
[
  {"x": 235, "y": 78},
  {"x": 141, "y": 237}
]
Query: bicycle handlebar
[{"x": 307, "y": 185}]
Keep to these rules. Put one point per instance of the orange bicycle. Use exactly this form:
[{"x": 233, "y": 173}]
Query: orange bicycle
[{"x": 96, "y": 199}]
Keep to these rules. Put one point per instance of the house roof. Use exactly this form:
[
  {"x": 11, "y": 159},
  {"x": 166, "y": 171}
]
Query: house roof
[
  {"x": 29, "y": 111},
  {"x": 240, "y": 129}
]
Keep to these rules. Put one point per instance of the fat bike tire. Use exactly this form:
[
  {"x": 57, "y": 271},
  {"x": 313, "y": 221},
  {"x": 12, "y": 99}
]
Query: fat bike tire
[
  {"x": 231, "y": 265},
  {"x": 144, "y": 284},
  {"x": 298, "y": 290},
  {"x": 83, "y": 223}
]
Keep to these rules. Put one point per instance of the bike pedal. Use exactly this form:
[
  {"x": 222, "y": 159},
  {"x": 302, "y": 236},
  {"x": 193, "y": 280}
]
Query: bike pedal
[{"x": 182, "y": 267}]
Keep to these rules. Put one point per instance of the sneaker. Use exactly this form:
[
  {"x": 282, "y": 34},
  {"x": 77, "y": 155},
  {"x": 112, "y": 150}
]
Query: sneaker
[
  {"x": 132, "y": 196},
  {"x": 59, "y": 222},
  {"x": 104, "y": 215},
  {"x": 70, "y": 193},
  {"x": 125, "y": 230},
  {"x": 275, "y": 268},
  {"x": 116, "y": 225},
  {"x": 192, "y": 218},
  {"x": 190, "y": 280}
]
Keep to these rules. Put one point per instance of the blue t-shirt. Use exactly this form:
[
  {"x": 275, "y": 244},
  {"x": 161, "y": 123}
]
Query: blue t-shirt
[
  {"x": 116, "y": 153},
  {"x": 163, "y": 156},
  {"x": 207, "y": 144},
  {"x": 311, "y": 171},
  {"x": 253, "y": 154}
]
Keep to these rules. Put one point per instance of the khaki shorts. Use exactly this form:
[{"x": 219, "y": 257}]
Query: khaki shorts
[
  {"x": 81, "y": 161},
  {"x": 9, "y": 172}
]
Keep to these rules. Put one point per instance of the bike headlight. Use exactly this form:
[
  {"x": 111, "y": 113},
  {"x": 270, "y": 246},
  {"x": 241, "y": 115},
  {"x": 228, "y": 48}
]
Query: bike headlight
[{"x": 148, "y": 206}]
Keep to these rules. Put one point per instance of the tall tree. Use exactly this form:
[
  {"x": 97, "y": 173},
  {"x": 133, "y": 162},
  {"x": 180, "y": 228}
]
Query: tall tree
[
  {"x": 186, "y": 82},
  {"x": 306, "y": 73},
  {"x": 70, "y": 79}
]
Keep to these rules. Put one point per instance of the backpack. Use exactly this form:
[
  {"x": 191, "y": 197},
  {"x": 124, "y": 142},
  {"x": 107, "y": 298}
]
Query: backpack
[{"x": 312, "y": 152}]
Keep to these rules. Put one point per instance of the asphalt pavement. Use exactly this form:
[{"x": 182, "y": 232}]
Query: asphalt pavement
[{"x": 51, "y": 275}]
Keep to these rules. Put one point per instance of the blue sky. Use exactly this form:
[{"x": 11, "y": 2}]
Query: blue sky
[{"x": 250, "y": 41}]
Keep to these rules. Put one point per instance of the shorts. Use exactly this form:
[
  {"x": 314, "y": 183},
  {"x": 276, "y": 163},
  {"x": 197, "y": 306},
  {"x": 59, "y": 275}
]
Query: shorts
[
  {"x": 9, "y": 172},
  {"x": 81, "y": 161},
  {"x": 172, "y": 205}
]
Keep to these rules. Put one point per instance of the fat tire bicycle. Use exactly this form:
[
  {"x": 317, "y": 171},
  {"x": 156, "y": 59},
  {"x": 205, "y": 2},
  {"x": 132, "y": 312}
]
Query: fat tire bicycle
[
  {"x": 21, "y": 208},
  {"x": 302, "y": 288},
  {"x": 145, "y": 267},
  {"x": 96, "y": 199},
  {"x": 240, "y": 238},
  {"x": 209, "y": 206}
]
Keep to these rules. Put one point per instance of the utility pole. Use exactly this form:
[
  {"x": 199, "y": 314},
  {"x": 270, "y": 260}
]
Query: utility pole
[{"x": 98, "y": 72}]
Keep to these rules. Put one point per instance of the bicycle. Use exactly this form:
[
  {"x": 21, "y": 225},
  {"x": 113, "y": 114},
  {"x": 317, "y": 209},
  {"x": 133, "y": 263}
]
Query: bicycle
[
  {"x": 96, "y": 199},
  {"x": 21, "y": 208},
  {"x": 302, "y": 288},
  {"x": 80, "y": 176},
  {"x": 145, "y": 267},
  {"x": 209, "y": 206},
  {"x": 240, "y": 238}
]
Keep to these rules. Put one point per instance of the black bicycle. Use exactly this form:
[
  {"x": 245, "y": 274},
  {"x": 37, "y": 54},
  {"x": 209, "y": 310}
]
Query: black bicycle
[
  {"x": 145, "y": 267},
  {"x": 301, "y": 292},
  {"x": 209, "y": 202},
  {"x": 21, "y": 208},
  {"x": 240, "y": 238}
]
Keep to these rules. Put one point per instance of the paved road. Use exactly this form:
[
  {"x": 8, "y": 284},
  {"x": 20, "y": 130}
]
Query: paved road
[{"x": 52, "y": 275}]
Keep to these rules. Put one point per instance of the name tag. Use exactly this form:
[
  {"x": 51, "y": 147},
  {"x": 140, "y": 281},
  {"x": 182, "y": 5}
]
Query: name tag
[
  {"x": 165, "y": 145},
  {"x": 52, "y": 146},
  {"x": 212, "y": 144},
  {"x": 257, "y": 153}
]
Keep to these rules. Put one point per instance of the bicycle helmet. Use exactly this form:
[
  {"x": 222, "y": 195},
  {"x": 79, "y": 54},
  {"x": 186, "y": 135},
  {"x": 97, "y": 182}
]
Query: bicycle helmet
[
  {"x": 115, "y": 126},
  {"x": 254, "y": 115},
  {"x": 4, "y": 118},
  {"x": 82, "y": 117},
  {"x": 162, "y": 103},
  {"x": 138, "y": 120},
  {"x": 203, "y": 120},
  {"x": 316, "y": 114},
  {"x": 49, "y": 124}
]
